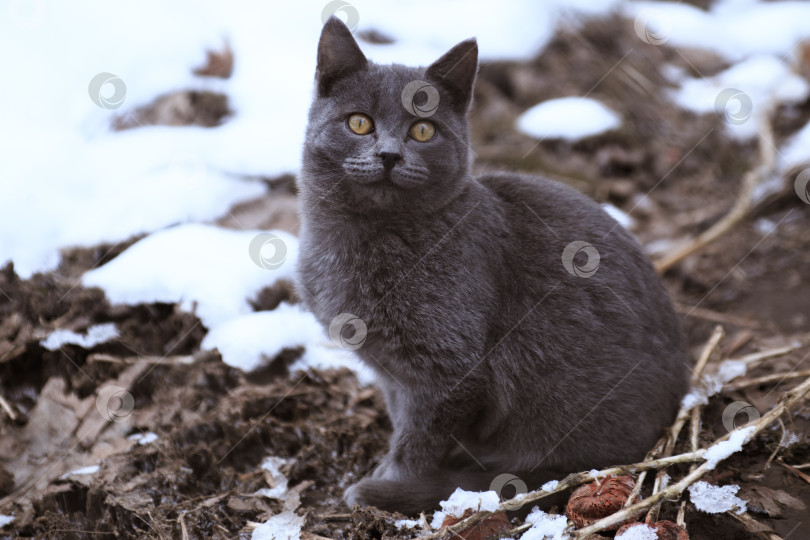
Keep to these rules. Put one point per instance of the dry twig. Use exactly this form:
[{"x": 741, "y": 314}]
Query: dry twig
[
  {"x": 788, "y": 400},
  {"x": 766, "y": 379}
]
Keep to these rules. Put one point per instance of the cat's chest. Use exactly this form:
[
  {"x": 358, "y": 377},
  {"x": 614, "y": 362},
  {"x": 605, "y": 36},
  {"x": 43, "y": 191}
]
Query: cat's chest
[{"x": 394, "y": 278}]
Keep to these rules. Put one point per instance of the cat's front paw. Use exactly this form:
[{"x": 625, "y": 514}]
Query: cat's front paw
[
  {"x": 372, "y": 492},
  {"x": 352, "y": 496}
]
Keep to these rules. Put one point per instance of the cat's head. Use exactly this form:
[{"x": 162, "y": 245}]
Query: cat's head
[{"x": 384, "y": 138}]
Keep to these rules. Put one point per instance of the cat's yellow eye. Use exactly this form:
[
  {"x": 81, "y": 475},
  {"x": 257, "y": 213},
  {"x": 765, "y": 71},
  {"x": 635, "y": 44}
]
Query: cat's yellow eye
[
  {"x": 423, "y": 131},
  {"x": 360, "y": 124}
]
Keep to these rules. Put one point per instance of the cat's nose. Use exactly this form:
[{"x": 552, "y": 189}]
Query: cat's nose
[{"x": 389, "y": 159}]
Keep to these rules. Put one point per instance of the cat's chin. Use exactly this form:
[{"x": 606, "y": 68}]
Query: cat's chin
[{"x": 381, "y": 194}]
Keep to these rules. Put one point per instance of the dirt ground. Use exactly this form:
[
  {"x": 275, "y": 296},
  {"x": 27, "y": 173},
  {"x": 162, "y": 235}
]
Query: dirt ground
[{"x": 215, "y": 425}]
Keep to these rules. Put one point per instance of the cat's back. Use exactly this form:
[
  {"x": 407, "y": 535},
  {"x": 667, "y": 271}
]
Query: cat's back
[
  {"x": 564, "y": 245},
  {"x": 544, "y": 200},
  {"x": 547, "y": 219}
]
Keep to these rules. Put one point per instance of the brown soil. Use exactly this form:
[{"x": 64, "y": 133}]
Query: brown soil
[{"x": 215, "y": 425}]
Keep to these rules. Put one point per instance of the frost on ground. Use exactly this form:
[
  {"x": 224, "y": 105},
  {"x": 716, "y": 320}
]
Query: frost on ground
[
  {"x": 722, "y": 450},
  {"x": 570, "y": 118},
  {"x": 716, "y": 499},
  {"x": 544, "y": 526},
  {"x": 461, "y": 500},
  {"x": 95, "y": 335},
  {"x": 640, "y": 531}
]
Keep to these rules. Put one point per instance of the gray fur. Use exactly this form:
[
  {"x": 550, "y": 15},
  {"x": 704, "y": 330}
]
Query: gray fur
[{"x": 483, "y": 343}]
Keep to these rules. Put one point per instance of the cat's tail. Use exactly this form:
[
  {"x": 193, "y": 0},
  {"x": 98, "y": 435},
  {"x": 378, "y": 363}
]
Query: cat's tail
[{"x": 424, "y": 494}]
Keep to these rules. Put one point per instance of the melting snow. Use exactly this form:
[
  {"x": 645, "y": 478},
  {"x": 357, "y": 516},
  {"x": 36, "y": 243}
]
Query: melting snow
[
  {"x": 462, "y": 500},
  {"x": 715, "y": 499},
  {"x": 551, "y": 485},
  {"x": 544, "y": 526},
  {"x": 722, "y": 450}
]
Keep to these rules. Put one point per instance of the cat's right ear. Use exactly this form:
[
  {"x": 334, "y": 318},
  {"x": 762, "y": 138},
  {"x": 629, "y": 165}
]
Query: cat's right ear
[{"x": 338, "y": 55}]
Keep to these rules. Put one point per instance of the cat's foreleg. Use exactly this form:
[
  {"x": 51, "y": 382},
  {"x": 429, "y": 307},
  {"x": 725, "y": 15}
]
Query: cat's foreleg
[{"x": 423, "y": 437}]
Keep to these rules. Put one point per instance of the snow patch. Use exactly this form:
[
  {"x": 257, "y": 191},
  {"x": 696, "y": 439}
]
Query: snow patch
[
  {"x": 723, "y": 449},
  {"x": 249, "y": 341},
  {"x": 272, "y": 465},
  {"x": 462, "y": 500},
  {"x": 743, "y": 94},
  {"x": 5, "y": 520},
  {"x": 143, "y": 438},
  {"x": 731, "y": 28},
  {"x": 715, "y": 499},
  {"x": 205, "y": 269},
  {"x": 640, "y": 531},
  {"x": 712, "y": 384},
  {"x": 406, "y": 524},
  {"x": 96, "y": 334},
  {"x": 544, "y": 526},
  {"x": 91, "y": 469},
  {"x": 569, "y": 118},
  {"x": 551, "y": 485},
  {"x": 283, "y": 526},
  {"x": 730, "y": 370}
]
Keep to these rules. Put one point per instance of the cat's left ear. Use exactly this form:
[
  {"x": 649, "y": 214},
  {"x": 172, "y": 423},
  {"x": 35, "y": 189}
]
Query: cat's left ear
[
  {"x": 338, "y": 55},
  {"x": 455, "y": 72}
]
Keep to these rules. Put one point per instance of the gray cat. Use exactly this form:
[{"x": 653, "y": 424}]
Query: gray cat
[{"x": 513, "y": 325}]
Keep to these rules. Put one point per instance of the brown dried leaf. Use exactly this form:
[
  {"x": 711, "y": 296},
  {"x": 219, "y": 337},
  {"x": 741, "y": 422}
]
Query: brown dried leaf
[
  {"x": 594, "y": 501},
  {"x": 771, "y": 502},
  {"x": 218, "y": 64}
]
